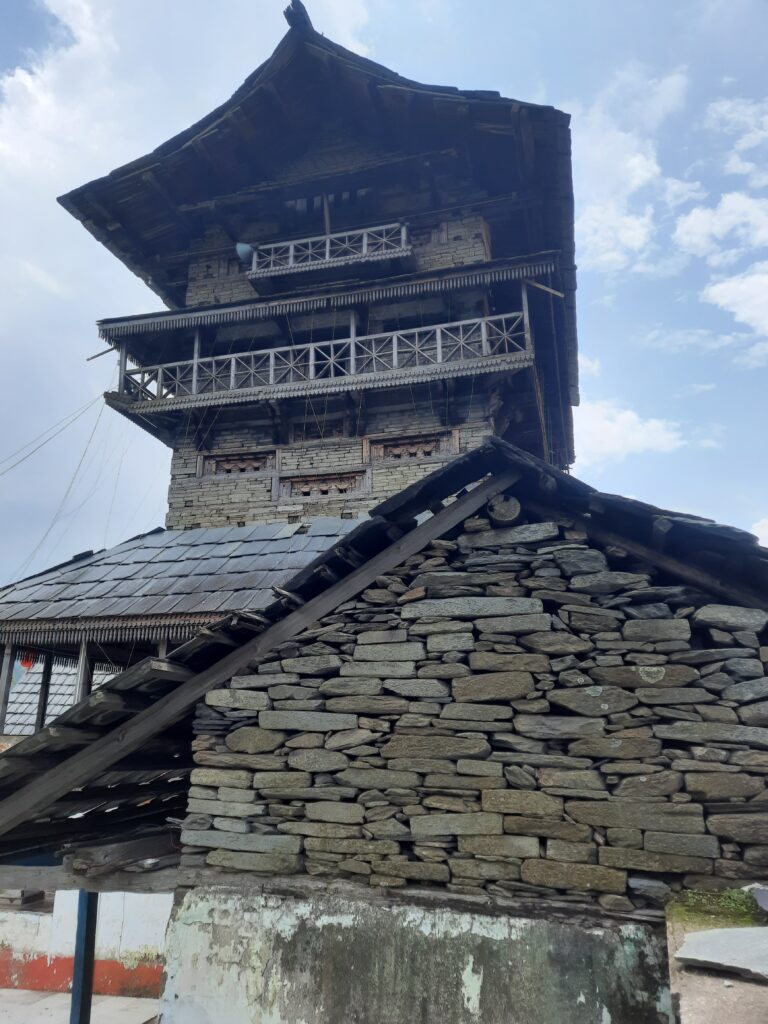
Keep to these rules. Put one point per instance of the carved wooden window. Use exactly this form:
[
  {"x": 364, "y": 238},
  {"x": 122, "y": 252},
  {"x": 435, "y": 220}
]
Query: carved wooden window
[
  {"x": 239, "y": 462},
  {"x": 411, "y": 447},
  {"x": 326, "y": 485}
]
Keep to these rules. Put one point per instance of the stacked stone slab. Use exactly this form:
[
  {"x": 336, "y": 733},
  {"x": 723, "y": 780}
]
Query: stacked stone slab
[{"x": 515, "y": 711}]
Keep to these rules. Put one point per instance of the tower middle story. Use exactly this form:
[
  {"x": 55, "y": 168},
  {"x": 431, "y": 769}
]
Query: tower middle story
[{"x": 365, "y": 276}]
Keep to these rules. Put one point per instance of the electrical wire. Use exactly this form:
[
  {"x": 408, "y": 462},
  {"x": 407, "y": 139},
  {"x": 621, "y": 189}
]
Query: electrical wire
[
  {"x": 62, "y": 424},
  {"x": 22, "y": 568}
]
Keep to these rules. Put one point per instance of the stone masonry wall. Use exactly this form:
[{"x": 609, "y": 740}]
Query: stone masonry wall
[
  {"x": 513, "y": 712},
  {"x": 200, "y": 498}
]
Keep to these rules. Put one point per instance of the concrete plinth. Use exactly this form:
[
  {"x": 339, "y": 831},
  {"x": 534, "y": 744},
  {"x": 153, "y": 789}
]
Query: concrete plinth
[{"x": 343, "y": 957}]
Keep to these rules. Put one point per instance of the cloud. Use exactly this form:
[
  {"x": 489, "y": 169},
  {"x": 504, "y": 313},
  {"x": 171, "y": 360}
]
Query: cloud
[
  {"x": 618, "y": 177},
  {"x": 589, "y": 367},
  {"x": 737, "y": 217},
  {"x": 747, "y": 121},
  {"x": 609, "y": 432},
  {"x": 677, "y": 192},
  {"x": 701, "y": 338},
  {"x": 745, "y": 297},
  {"x": 114, "y": 81},
  {"x": 701, "y": 389},
  {"x": 760, "y": 529}
]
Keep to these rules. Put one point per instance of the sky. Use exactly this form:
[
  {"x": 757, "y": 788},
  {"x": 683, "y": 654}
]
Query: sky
[{"x": 670, "y": 148}]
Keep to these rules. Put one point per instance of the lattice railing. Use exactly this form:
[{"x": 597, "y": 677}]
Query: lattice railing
[
  {"x": 387, "y": 240},
  {"x": 394, "y": 351}
]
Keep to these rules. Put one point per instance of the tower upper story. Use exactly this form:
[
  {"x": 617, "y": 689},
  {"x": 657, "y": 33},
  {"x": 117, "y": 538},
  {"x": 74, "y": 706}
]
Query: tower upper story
[{"x": 364, "y": 276}]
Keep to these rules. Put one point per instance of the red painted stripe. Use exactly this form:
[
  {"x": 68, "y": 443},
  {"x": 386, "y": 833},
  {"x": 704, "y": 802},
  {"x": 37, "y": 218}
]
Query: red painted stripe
[{"x": 54, "y": 974}]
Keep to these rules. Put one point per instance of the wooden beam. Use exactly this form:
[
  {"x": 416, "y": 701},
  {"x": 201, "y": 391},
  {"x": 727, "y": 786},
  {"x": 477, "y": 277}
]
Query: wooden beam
[
  {"x": 544, "y": 288},
  {"x": 42, "y": 697},
  {"x": 84, "y": 679},
  {"x": 98, "y": 755}
]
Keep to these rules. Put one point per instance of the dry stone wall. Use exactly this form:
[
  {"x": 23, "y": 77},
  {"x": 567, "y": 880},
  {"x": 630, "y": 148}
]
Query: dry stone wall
[{"x": 511, "y": 711}]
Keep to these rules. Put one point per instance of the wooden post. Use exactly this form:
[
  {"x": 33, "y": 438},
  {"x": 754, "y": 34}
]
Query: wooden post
[
  {"x": 352, "y": 340},
  {"x": 326, "y": 214},
  {"x": 484, "y": 337},
  {"x": 403, "y": 236},
  {"x": 42, "y": 697},
  {"x": 85, "y": 954},
  {"x": 526, "y": 319},
  {"x": 162, "y": 648},
  {"x": 84, "y": 673},
  {"x": 195, "y": 360},
  {"x": 6, "y": 678},
  {"x": 122, "y": 367}
]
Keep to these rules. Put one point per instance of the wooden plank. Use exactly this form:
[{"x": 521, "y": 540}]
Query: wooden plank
[
  {"x": 42, "y": 697},
  {"x": 76, "y": 770},
  {"x": 114, "y": 855}
]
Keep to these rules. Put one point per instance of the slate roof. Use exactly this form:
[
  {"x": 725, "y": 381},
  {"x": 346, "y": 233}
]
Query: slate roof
[
  {"x": 177, "y": 573},
  {"x": 25, "y": 690}
]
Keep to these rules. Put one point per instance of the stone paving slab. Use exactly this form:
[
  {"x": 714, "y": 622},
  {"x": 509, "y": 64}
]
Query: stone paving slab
[{"x": 21, "y": 1006}]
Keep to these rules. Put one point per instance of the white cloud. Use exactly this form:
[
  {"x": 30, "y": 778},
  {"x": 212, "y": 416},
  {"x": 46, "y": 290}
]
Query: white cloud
[
  {"x": 702, "y": 389},
  {"x": 737, "y": 218},
  {"x": 745, "y": 296},
  {"x": 747, "y": 121},
  {"x": 115, "y": 80},
  {"x": 677, "y": 192},
  {"x": 747, "y": 348},
  {"x": 617, "y": 172},
  {"x": 701, "y": 338},
  {"x": 608, "y": 432},
  {"x": 760, "y": 529},
  {"x": 589, "y": 367}
]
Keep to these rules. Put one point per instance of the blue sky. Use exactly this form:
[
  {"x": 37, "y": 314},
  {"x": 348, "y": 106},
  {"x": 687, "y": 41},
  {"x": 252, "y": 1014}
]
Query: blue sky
[{"x": 670, "y": 131}]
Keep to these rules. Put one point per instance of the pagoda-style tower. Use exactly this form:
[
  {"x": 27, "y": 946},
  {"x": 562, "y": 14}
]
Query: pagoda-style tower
[{"x": 365, "y": 277}]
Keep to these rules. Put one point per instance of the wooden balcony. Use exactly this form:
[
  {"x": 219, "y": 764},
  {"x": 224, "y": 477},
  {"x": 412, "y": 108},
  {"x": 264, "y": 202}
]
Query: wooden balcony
[
  {"x": 388, "y": 241},
  {"x": 483, "y": 345}
]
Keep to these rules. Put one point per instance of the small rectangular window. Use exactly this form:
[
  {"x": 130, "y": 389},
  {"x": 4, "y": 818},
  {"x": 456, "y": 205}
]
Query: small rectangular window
[
  {"x": 410, "y": 448},
  {"x": 239, "y": 462},
  {"x": 322, "y": 485}
]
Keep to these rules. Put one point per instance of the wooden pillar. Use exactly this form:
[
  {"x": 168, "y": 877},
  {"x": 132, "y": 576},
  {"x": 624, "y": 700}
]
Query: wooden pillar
[
  {"x": 526, "y": 318},
  {"x": 42, "y": 697},
  {"x": 195, "y": 359},
  {"x": 84, "y": 673},
  {"x": 162, "y": 648},
  {"x": 326, "y": 214},
  {"x": 122, "y": 367},
  {"x": 6, "y": 678},
  {"x": 85, "y": 954},
  {"x": 352, "y": 340}
]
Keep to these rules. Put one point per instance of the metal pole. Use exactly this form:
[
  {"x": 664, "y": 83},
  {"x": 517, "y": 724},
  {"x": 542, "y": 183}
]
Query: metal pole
[{"x": 85, "y": 953}]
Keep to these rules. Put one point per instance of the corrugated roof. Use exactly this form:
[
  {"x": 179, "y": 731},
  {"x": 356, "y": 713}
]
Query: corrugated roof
[{"x": 174, "y": 572}]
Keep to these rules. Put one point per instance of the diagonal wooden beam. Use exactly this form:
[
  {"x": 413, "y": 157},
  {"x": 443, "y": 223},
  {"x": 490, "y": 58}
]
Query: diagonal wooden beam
[{"x": 98, "y": 755}]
